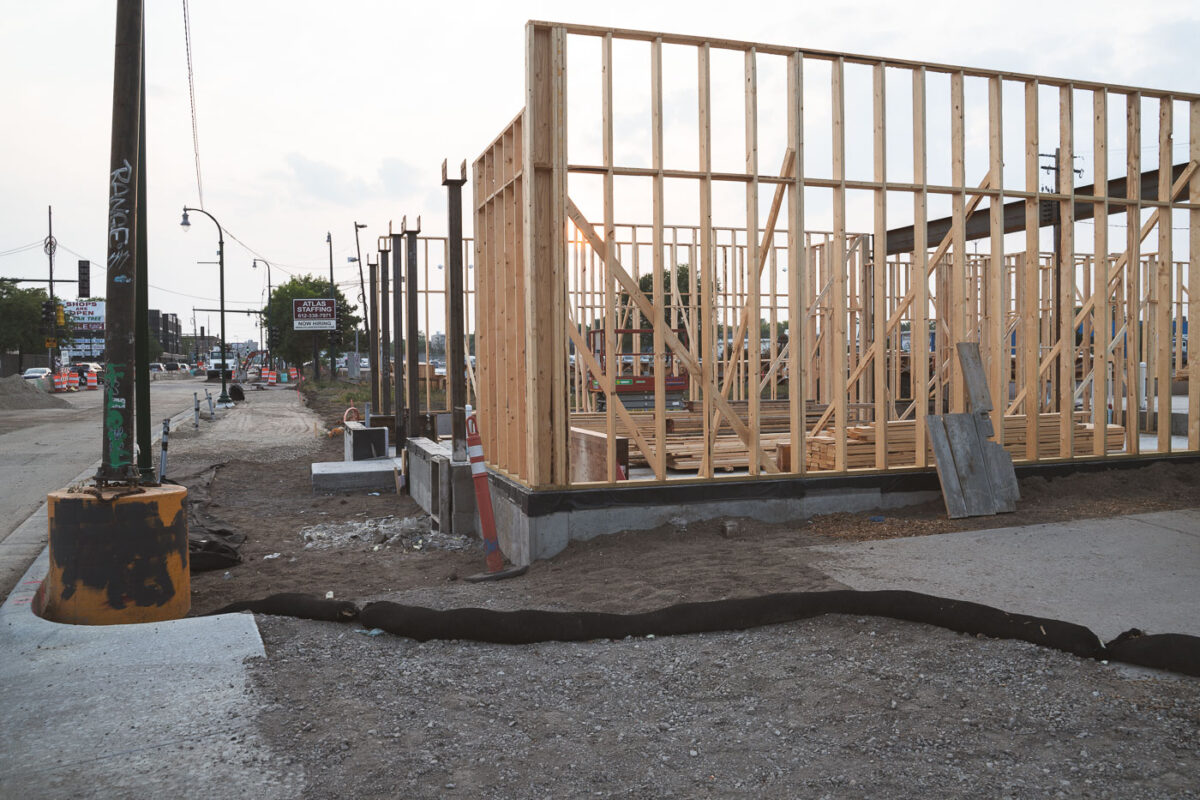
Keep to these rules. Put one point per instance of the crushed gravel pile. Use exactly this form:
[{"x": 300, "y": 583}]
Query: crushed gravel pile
[
  {"x": 409, "y": 533},
  {"x": 830, "y": 707},
  {"x": 17, "y": 394}
]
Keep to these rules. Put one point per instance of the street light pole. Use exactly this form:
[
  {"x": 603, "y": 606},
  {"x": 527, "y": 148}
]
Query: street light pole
[
  {"x": 254, "y": 265},
  {"x": 333, "y": 297},
  {"x": 371, "y": 346},
  {"x": 224, "y": 400}
]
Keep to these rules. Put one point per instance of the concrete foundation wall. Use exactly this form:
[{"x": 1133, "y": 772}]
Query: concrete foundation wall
[{"x": 525, "y": 538}]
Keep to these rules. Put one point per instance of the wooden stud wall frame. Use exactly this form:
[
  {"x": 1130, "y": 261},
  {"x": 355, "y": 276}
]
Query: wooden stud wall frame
[
  {"x": 890, "y": 231},
  {"x": 433, "y": 304}
]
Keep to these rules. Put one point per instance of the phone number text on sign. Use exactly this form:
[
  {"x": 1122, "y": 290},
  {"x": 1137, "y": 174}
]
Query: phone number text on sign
[{"x": 314, "y": 314}]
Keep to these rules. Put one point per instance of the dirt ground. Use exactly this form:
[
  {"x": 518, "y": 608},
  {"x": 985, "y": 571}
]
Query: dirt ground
[
  {"x": 829, "y": 707},
  {"x": 365, "y": 546}
]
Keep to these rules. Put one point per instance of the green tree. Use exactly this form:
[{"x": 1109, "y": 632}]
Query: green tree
[
  {"x": 682, "y": 278},
  {"x": 21, "y": 326},
  {"x": 296, "y": 347}
]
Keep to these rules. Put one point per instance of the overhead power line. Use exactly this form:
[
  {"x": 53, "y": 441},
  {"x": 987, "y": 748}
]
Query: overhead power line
[
  {"x": 187, "y": 40},
  {"x": 22, "y": 249}
]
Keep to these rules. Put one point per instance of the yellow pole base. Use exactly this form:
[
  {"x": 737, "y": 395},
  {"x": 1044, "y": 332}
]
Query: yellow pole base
[{"x": 119, "y": 559}]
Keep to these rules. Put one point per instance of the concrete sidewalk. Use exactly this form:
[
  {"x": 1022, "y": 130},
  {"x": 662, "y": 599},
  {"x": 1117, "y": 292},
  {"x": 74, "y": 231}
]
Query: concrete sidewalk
[
  {"x": 153, "y": 710},
  {"x": 1112, "y": 574},
  {"x": 149, "y": 710}
]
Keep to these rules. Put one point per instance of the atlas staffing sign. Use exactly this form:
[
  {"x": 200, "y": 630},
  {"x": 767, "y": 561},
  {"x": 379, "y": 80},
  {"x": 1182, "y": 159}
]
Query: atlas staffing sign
[{"x": 315, "y": 314}]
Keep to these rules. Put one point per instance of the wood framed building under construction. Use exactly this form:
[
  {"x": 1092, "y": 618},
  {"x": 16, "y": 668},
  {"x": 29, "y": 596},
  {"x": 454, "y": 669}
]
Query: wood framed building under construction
[{"x": 806, "y": 235}]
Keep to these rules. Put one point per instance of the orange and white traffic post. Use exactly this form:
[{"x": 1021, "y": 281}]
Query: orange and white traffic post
[{"x": 487, "y": 520}]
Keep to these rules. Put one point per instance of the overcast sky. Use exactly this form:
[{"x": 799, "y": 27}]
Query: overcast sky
[{"x": 312, "y": 115}]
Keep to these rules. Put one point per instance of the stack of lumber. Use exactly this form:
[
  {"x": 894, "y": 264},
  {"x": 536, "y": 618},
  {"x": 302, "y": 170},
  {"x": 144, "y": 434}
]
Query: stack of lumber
[
  {"x": 901, "y": 446},
  {"x": 1048, "y": 437},
  {"x": 729, "y": 452}
]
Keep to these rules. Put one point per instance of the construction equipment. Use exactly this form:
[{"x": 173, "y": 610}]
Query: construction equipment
[{"x": 635, "y": 384}]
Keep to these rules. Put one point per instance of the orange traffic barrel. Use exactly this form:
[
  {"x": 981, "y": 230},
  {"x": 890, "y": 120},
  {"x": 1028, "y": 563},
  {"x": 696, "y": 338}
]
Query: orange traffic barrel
[{"x": 117, "y": 556}]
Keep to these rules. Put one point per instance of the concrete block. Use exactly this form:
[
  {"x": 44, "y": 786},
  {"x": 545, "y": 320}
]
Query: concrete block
[
  {"x": 352, "y": 476},
  {"x": 423, "y": 478},
  {"x": 462, "y": 486},
  {"x": 361, "y": 442}
]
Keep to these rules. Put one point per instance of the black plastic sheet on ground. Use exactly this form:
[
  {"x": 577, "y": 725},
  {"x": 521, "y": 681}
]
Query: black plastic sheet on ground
[
  {"x": 212, "y": 543},
  {"x": 1170, "y": 651}
]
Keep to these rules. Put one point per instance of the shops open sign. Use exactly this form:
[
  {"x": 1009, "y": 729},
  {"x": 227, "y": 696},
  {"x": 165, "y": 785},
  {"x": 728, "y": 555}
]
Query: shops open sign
[{"x": 314, "y": 314}]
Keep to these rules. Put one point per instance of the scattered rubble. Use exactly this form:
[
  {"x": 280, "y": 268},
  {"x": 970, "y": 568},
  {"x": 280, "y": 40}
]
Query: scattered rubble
[{"x": 408, "y": 533}]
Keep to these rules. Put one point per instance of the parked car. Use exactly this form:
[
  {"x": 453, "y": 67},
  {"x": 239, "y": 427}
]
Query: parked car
[
  {"x": 158, "y": 366},
  {"x": 36, "y": 373}
]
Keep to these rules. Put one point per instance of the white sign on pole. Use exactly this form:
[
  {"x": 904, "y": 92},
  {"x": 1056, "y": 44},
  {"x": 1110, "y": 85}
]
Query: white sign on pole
[{"x": 314, "y": 314}]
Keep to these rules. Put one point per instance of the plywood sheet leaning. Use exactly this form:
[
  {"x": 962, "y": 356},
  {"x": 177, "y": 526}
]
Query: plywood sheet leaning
[{"x": 977, "y": 475}]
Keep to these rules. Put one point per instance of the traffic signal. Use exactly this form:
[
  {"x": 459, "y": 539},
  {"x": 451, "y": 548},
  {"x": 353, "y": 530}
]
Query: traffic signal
[
  {"x": 59, "y": 317},
  {"x": 85, "y": 278},
  {"x": 48, "y": 312},
  {"x": 273, "y": 338}
]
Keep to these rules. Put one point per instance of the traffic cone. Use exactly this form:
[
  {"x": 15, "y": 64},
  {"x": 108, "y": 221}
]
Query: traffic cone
[
  {"x": 271, "y": 377},
  {"x": 92, "y": 382},
  {"x": 487, "y": 520}
]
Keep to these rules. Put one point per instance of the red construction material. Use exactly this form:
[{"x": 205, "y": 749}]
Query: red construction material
[
  {"x": 271, "y": 377},
  {"x": 293, "y": 373},
  {"x": 483, "y": 497}
]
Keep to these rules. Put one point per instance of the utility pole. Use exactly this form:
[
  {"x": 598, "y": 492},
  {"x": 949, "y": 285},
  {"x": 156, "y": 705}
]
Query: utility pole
[
  {"x": 362, "y": 289},
  {"x": 116, "y": 460},
  {"x": 1060, "y": 302},
  {"x": 141, "y": 312},
  {"x": 333, "y": 297},
  {"x": 48, "y": 247}
]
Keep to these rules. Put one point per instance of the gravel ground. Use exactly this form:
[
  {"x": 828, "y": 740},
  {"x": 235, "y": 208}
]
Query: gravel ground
[{"x": 831, "y": 707}]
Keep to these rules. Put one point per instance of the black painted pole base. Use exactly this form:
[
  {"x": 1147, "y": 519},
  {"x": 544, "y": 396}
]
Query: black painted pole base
[{"x": 117, "y": 556}]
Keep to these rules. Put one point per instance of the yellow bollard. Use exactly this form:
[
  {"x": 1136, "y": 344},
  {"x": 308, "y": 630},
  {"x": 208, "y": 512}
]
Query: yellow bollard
[{"x": 117, "y": 557}]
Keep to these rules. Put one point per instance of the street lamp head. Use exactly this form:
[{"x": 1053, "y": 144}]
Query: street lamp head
[
  {"x": 360, "y": 225},
  {"x": 328, "y": 237},
  {"x": 185, "y": 223}
]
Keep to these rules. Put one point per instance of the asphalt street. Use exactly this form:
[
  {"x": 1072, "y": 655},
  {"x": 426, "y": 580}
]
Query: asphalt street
[{"x": 46, "y": 449}]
